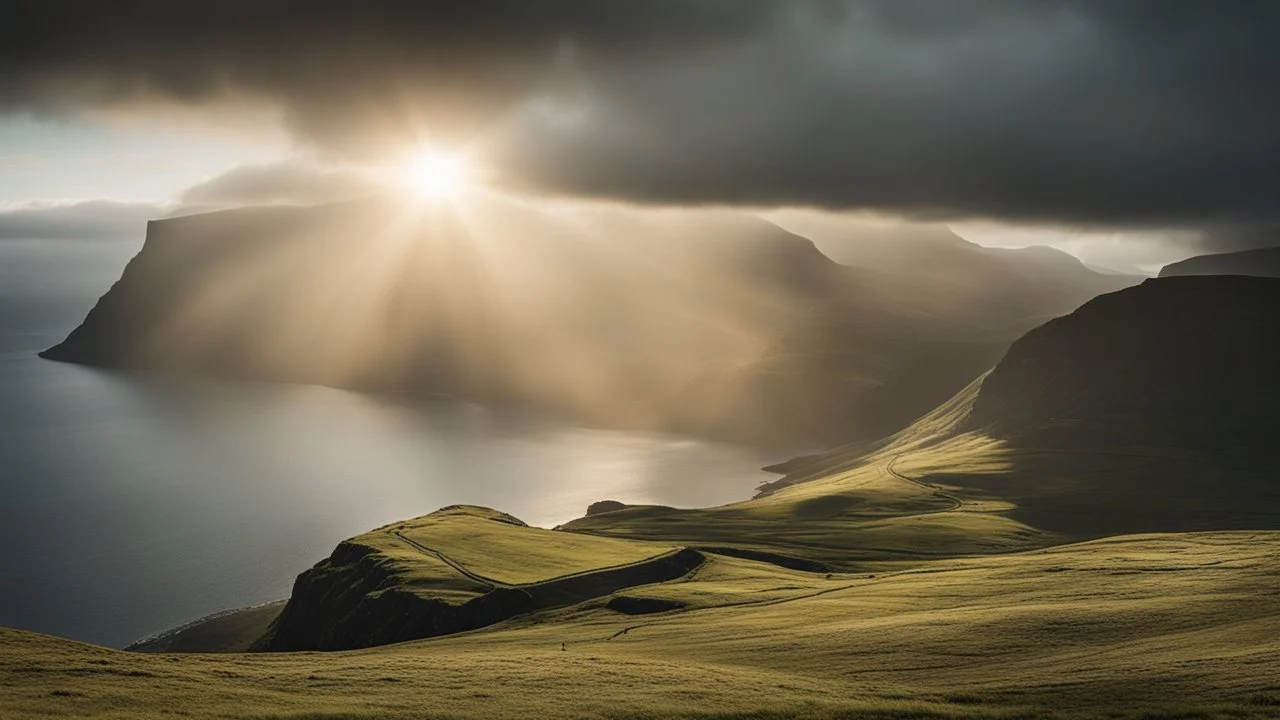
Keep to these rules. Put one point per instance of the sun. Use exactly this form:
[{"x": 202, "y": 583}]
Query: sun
[{"x": 436, "y": 175}]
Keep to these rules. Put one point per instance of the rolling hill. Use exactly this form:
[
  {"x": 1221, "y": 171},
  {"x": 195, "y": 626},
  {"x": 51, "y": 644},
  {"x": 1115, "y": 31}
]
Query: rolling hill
[{"x": 1135, "y": 627}]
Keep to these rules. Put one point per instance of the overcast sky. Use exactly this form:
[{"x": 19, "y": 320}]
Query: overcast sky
[{"x": 1122, "y": 118}]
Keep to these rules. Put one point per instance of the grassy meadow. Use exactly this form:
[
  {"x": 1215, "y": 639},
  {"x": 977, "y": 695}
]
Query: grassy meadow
[{"x": 1144, "y": 626}]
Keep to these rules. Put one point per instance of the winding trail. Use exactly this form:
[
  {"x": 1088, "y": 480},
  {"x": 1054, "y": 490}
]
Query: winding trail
[
  {"x": 498, "y": 583},
  {"x": 956, "y": 503},
  {"x": 450, "y": 562}
]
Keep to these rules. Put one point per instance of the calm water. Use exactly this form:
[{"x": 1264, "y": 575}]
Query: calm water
[{"x": 128, "y": 505}]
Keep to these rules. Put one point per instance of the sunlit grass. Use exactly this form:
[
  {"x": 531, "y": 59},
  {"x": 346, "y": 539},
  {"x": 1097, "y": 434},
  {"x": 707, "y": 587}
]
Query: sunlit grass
[
  {"x": 1140, "y": 625},
  {"x": 516, "y": 554}
]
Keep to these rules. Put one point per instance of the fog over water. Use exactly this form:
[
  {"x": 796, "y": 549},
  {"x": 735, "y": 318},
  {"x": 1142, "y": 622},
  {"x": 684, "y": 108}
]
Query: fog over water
[{"x": 129, "y": 505}]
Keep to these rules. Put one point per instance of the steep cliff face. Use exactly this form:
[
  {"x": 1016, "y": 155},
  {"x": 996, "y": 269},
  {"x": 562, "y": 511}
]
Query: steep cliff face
[{"x": 356, "y": 599}]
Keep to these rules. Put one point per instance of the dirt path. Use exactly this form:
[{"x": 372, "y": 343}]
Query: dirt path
[
  {"x": 498, "y": 583},
  {"x": 956, "y": 503},
  {"x": 448, "y": 561}
]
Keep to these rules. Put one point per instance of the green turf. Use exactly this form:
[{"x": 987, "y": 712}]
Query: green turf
[
  {"x": 506, "y": 551},
  {"x": 1138, "y": 626}
]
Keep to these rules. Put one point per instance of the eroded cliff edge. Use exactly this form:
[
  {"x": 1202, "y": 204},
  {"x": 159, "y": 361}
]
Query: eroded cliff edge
[{"x": 460, "y": 568}]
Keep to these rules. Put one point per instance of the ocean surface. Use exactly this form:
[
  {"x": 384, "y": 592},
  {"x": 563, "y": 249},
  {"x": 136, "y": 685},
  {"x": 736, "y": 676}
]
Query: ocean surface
[{"x": 129, "y": 505}]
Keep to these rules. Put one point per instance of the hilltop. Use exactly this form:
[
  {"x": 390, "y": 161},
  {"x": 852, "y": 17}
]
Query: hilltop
[{"x": 1261, "y": 263}]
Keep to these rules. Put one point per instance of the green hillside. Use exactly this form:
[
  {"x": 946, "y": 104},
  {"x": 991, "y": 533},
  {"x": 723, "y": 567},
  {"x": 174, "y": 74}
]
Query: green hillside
[{"x": 1148, "y": 626}]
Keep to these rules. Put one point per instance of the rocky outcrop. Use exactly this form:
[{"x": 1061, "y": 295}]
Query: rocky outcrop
[
  {"x": 604, "y": 506},
  {"x": 354, "y": 599},
  {"x": 357, "y": 598}
]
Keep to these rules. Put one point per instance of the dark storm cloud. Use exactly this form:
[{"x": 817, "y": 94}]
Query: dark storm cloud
[
  {"x": 1233, "y": 238},
  {"x": 1143, "y": 112}
]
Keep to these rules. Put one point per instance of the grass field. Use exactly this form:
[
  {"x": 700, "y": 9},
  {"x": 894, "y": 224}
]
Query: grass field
[
  {"x": 1149, "y": 626},
  {"x": 506, "y": 551}
]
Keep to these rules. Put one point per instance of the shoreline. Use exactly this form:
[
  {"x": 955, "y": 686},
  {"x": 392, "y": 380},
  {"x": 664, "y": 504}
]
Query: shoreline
[{"x": 157, "y": 642}]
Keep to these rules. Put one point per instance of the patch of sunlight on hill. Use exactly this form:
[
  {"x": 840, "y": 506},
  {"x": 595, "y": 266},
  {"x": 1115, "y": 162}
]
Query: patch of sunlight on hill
[{"x": 507, "y": 551}]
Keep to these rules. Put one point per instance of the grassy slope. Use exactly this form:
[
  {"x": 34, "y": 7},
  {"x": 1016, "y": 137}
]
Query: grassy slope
[
  {"x": 511, "y": 553},
  {"x": 461, "y": 552},
  {"x": 455, "y": 570},
  {"x": 855, "y": 509},
  {"x": 1187, "y": 623}
]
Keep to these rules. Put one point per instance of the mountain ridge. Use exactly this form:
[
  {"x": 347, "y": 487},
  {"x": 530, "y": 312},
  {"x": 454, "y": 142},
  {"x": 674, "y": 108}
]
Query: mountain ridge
[{"x": 1262, "y": 262}]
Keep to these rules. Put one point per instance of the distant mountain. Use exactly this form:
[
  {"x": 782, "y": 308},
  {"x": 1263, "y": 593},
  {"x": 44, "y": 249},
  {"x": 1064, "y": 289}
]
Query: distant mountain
[
  {"x": 1260, "y": 263},
  {"x": 715, "y": 323},
  {"x": 1003, "y": 287},
  {"x": 610, "y": 317},
  {"x": 988, "y": 295}
]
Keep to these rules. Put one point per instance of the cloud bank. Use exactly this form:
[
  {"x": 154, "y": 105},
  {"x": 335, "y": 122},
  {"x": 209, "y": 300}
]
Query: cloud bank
[{"x": 1088, "y": 112}]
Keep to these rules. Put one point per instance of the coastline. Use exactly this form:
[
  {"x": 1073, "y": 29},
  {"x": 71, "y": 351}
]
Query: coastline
[{"x": 212, "y": 624}]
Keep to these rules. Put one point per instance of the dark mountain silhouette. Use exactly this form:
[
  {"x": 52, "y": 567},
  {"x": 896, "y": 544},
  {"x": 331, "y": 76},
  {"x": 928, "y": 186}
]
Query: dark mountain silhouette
[
  {"x": 1151, "y": 409},
  {"x": 1260, "y": 263},
  {"x": 1178, "y": 362},
  {"x": 710, "y": 322}
]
